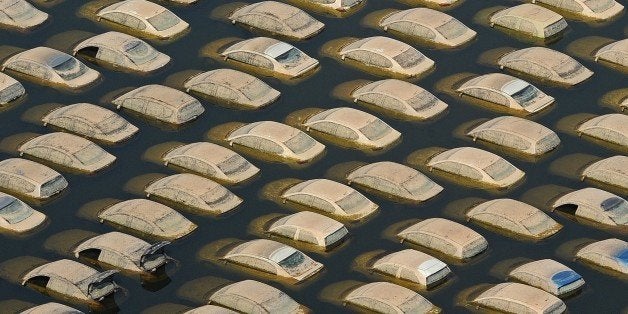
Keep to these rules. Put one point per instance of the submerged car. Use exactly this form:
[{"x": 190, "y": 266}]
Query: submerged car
[
  {"x": 145, "y": 17},
  {"x": 68, "y": 150},
  {"x": 612, "y": 171},
  {"x": 278, "y": 18},
  {"x": 278, "y": 140},
  {"x": 213, "y": 161},
  {"x": 445, "y": 236},
  {"x": 521, "y": 135},
  {"x": 506, "y": 91},
  {"x": 274, "y": 258},
  {"x": 429, "y": 25},
  {"x": 310, "y": 228},
  {"x": 122, "y": 50},
  {"x": 531, "y": 20},
  {"x": 549, "y": 275},
  {"x": 519, "y": 298},
  {"x": 10, "y": 89},
  {"x": 148, "y": 217},
  {"x": 518, "y": 218},
  {"x": 595, "y": 9},
  {"x": 413, "y": 266},
  {"x": 233, "y": 87},
  {"x": 190, "y": 190},
  {"x": 20, "y": 14},
  {"x": 546, "y": 64},
  {"x": 73, "y": 280},
  {"x": 388, "y": 55},
  {"x": 124, "y": 251},
  {"x": 16, "y": 216},
  {"x": 615, "y": 52},
  {"x": 337, "y": 5},
  {"x": 91, "y": 121},
  {"x": 162, "y": 103},
  {"x": 477, "y": 165},
  {"x": 385, "y": 297},
  {"x": 610, "y": 253},
  {"x": 398, "y": 97},
  {"x": 331, "y": 198},
  {"x": 596, "y": 205},
  {"x": 51, "y": 66},
  {"x": 31, "y": 179},
  {"x": 272, "y": 55},
  {"x": 251, "y": 296},
  {"x": 354, "y": 127},
  {"x": 611, "y": 128},
  {"x": 396, "y": 180}
]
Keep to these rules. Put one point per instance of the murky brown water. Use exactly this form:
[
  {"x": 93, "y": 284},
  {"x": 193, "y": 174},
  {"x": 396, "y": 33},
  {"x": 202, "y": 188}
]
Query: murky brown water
[{"x": 602, "y": 294}]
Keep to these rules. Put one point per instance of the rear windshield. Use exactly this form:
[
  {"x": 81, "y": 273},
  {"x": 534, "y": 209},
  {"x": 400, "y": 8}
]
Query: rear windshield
[
  {"x": 12, "y": 92},
  {"x": 617, "y": 209},
  {"x": 452, "y": 29},
  {"x": 20, "y": 11},
  {"x": 257, "y": 89},
  {"x": 140, "y": 52},
  {"x": 112, "y": 124},
  {"x": 300, "y": 143},
  {"x": 164, "y": 20},
  {"x": 569, "y": 69},
  {"x": 375, "y": 130},
  {"x": 54, "y": 185},
  {"x": 233, "y": 164},
  {"x": 90, "y": 154},
  {"x": 500, "y": 169},
  {"x": 525, "y": 96},
  {"x": 70, "y": 69},
  {"x": 336, "y": 236},
  {"x": 171, "y": 222},
  {"x": 290, "y": 58},
  {"x": 299, "y": 21},
  {"x": 14, "y": 212},
  {"x": 409, "y": 58},
  {"x": 417, "y": 185},
  {"x": 598, "y": 6},
  {"x": 538, "y": 223},
  {"x": 353, "y": 203}
]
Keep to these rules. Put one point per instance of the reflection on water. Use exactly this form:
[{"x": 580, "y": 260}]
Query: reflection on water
[{"x": 139, "y": 160}]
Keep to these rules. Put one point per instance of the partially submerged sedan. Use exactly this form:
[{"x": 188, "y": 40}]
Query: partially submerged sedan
[
  {"x": 311, "y": 228},
  {"x": 277, "y": 140},
  {"x": 279, "y": 58},
  {"x": 274, "y": 258},
  {"x": 385, "y": 297},
  {"x": 277, "y": 18},
  {"x": 147, "y": 217},
  {"x": 51, "y": 67},
  {"x": 521, "y": 135},
  {"x": 612, "y": 171},
  {"x": 428, "y": 25},
  {"x": 445, "y": 236},
  {"x": 549, "y": 275},
  {"x": 73, "y": 280},
  {"x": 594, "y": 9},
  {"x": 91, "y": 121},
  {"x": 10, "y": 89},
  {"x": 162, "y": 103},
  {"x": 610, "y": 253},
  {"x": 251, "y": 296},
  {"x": 401, "y": 98},
  {"x": 332, "y": 198},
  {"x": 596, "y": 205},
  {"x": 478, "y": 166},
  {"x": 507, "y": 91},
  {"x": 394, "y": 180},
  {"x": 31, "y": 179},
  {"x": 122, "y": 50},
  {"x": 213, "y": 161},
  {"x": 514, "y": 217},
  {"x": 531, "y": 20},
  {"x": 546, "y": 64},
  {"x": 519, "y": 298},
  {"x": 16, "y": 216},
  {"x": 233, "y": 88},
  {"x": 145, "y": 17},
  {"x": 354, "y": 127},
  {"x": 195, "y": 192},
  {"x": 388, "y": 55},
  {"x": 611, "y": 128},
  {"x": 124, "y": 251},
  {"x": 413, "y": 266},
  {"x": 615, "y": 52},
  {"x": 68, "y": 150},
  {"x": 20, "y": 14},
  {"x": 337, "y": 5}
]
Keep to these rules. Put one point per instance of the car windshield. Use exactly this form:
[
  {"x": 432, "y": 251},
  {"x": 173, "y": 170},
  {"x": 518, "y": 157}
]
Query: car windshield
[
  {"x": 617, "y": 209},
  {"x": 300, "y": 143},
  {"x": 296, "y": 263},
  {"x": 52, "y": 186},
  {"x": 70, "y": 69},
  {"x": 299, "y": 21},
  {"x": 257, "y": 89},
  {"x": 375, "y": 130},
  {"x": 353, "y": 203},
  {"x": 416, "y": 304},
  {"x": 500, "y": 169},
  {"x": 171, "y": 222},
  {"x": 418, "y": 185},
  {"x": 217, "y": 195},
  {"x": 190, "y": 110},
  {"x": 423, "y": 101},
  {"x": 233, "y": 164},
  {"x": 598, "y": 6},
  {"x": 547, "y": 143},
  {"x": 164, "y": 20},
  {"x": 336, "y": 236},
  {"x": 13, "y": 211},
  {"x": 12, "y": 92},
  {"x": 538, "y": 223},
  {"x": 112, "y": 124},
  {"x": 569, "y": 69},
  {"x": 452, "y": 29},
  {"x": 90, "y": 154},
  {"x": 290, "y": 58},
  {"x": 140, "y": 52},
  {"x": 20, "y": 11},
  {"x": 409, "y": 58},
  {"x": 525, "y": 96}
]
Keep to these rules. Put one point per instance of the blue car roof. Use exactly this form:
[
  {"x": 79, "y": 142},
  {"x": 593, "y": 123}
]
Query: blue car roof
[{"x": 565, "y": 277}]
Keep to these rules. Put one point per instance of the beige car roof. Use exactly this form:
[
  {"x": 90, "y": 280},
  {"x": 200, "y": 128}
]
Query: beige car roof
[
  {"x": 534, "y": 13},
  {"x": 318, "y": 224},
  {"x": 83, "y": 111},
  {"x": 393, "y": 87},
  {"x": 378, "y": 44},
  {"x": 612, "y": 121},
  {"x": 275, "y": 131},
  {"x": 530, "y": 130},
  {"x": 534, "y": 298},
  {"x": 324, "y": 188},
  {"x": 387, "y": 170},
  {"x": 345, "y": 116},
  {"x": 144, "y": 209},
  {"x": 423, "y": 16},
  {"x": 385, "y": 292},
  {"x": 208, "y": 152},
  {"x": 468, "y": 156},
  {"x": 160, "y": 93},
  {"x": 143, "y": 8},
  {"x": 445, "y": 229},
  {"x": 545, "y": 57},
  {"x": 29, "y": 169},
  {"x": 544, "y": 268},
  {"x": 67, "y": 142}
]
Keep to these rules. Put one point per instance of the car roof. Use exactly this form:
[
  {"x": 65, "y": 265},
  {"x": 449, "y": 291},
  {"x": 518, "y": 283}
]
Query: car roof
[
  {"x": 397, "y": 88},
  {"x": 532, "y": 297},
  {"x": 378, "y": 44},
  {"x": 268, "y": 129},
  {"x": 66, "y": 269},
  {"x": 611, "y": 121},
  {"x": 324, "y": 188},
  {"x": 143, "y": 8},
  {"x": 274, "y": 9},
  {"x": 413, "y": 259},
  {"x": 386, "y": 292},
  {"x": 444, "y": 228},
  {"x": 591, "y": 197},
  {"x": 67, "y": 142},
  {"x": 188, "y": 182},
  {"x": 496, "y": 81},
  {"x": 29, "y": 169},
  {"x": 144, "y": 209},
  {"x": 505, "y": 207},
  {"x": 209, "y": 152},
  {"x": 253, "y": 290},
  {"x": 267, "y": 249},
  {"x": 127, "y": 245},
  {"x": 344, "y": 116},
  {"x": 160, "y": 93},
  {"x": 532, "y": 12},
  {"x": 230, "y": 78},
  {"x": 318, "y": 224},
  {"x": 116, "y": 40},
  {"x": 540, "y": 55},
  {"x": 468, "y": 156},
  {"x": 257, "y": 44},
  {"x": 527, "y": 129},
  {"x": 91, "y": 113},
  {"x": 545, "y": 268},
  {"x": 42, "y": 55},
  {"x": 387, "y": 170},
  {"x": 423, "y": 16}
]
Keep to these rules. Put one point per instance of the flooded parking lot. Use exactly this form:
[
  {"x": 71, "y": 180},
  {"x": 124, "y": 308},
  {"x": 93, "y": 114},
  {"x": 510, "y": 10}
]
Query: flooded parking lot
[{"x": 197, "y": 271}]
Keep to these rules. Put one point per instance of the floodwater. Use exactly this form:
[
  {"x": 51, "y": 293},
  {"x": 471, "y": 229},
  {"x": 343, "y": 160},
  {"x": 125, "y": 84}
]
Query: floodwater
[{"x": 602, "y": 293}]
